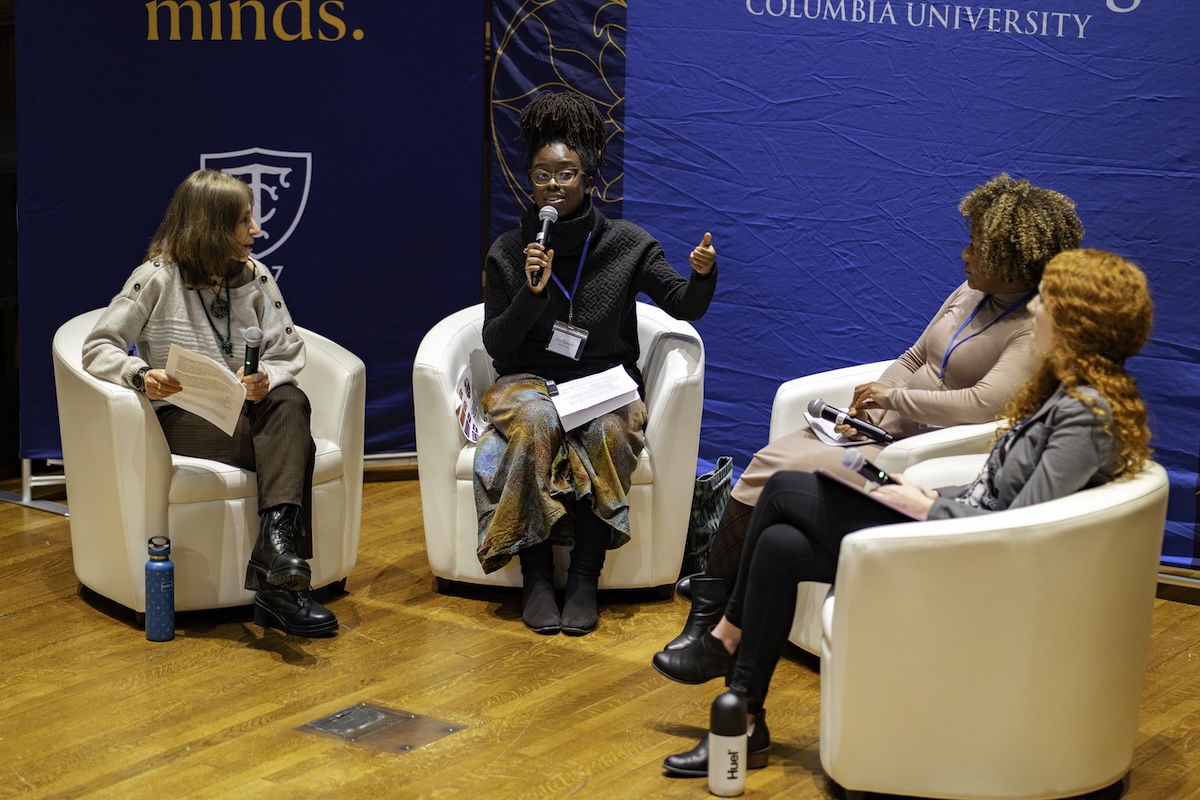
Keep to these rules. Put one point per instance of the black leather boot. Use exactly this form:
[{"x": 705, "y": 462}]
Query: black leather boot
[
  {"x": 296, "y": 613},
  {"x": 709, "y": 596},
  {"x": 580, "y": 614},
  {"x": 683, "y": 586},
  {"x": 694, "y": 763},
  {"x": 539, "y": 609},
  {"x": 699, "y": 662},
  {"x": 274, "y": 563}
]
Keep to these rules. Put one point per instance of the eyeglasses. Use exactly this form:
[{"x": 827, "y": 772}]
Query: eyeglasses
[{"x": 541, "y": 177}]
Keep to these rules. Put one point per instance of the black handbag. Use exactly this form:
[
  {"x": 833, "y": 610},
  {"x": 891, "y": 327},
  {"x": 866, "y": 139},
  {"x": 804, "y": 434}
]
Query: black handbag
[{"x": 709, "y": 499}]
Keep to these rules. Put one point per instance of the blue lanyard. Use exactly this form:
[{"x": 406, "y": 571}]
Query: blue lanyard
[
  {"x": 571, "y": 294},
  {"x": 955, "y": 342}
]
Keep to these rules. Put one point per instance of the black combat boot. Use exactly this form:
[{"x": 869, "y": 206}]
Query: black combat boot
[
  {"x": 274, "y": 563},
  {"x": 296, "y": 613}
]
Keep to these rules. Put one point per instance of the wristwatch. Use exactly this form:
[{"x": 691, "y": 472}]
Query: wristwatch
[{"x": 138, "y": 379}]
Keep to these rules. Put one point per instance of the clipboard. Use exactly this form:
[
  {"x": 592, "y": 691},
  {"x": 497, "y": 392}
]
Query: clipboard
[{"x": 825, "y": 474}]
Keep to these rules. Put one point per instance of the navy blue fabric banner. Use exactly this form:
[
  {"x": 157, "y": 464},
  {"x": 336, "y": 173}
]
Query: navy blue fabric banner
[
  {"x": 826, "y": 143},
  {"x": 360, "y": 133},
  {"x": 548, "y": 47}
]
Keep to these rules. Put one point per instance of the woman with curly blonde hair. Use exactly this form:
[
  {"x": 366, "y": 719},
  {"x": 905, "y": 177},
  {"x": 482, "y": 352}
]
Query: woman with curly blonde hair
[{"x": 1078, "y": 422}]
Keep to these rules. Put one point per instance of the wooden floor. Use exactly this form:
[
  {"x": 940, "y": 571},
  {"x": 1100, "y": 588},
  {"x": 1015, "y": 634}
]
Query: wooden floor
[{"x": 89, "y": 708}]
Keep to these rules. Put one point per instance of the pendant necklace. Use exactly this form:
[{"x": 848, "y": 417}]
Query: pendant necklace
[
  {"x": 220, "y": 308},
  {"x": 219, "y": 305}
]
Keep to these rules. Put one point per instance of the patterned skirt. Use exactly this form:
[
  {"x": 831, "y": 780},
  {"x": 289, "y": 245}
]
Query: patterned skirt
[{"x": 529, "y": 474}]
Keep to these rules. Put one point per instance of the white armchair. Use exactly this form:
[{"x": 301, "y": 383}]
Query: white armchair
[
  {"x": 672, "y": 364},
  {"x": 996, "y": 656},
  {"x": 124, "y": 485},
  {"x": 836, "y": 387}
]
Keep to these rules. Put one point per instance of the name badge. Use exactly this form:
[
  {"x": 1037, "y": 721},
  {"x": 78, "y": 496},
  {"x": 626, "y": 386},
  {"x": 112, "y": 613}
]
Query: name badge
[{"x": 567, "y": 340}]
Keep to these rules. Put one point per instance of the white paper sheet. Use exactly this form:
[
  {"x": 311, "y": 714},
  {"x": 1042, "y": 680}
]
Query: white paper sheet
[{"x": 210, "y": 390}]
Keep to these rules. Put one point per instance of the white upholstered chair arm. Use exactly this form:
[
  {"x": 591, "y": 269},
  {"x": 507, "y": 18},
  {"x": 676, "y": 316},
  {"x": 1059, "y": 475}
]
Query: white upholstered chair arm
[
  {"x": 117, "y": 465},
  {"x": 943, "y": 442},
  {"x": 448, "y": 347},
  {"x": 835, "y": 387},
  {"x": 335, "y": 381},
  {"x": 1013, "y": 637},
  {"x": 672, "y": 367},
  {"x": 948, "y": 471}
]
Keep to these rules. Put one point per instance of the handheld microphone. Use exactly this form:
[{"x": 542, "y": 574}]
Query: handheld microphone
[
  {"x": 855, "y": 462},
  {"x": 548, "y": 215},
  {"x": 819, "y": 408},
  {"x": 254, "y": 337}
]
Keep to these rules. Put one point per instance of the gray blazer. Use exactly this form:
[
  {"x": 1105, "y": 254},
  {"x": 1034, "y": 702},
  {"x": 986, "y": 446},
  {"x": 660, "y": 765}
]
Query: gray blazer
[{"x": 1059, "y": 450}]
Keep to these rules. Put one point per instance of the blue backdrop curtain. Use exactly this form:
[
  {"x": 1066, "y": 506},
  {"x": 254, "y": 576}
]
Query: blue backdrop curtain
[
  {"x": 827, "y": 143},
  {"x": 363, "y": 136},
  {"x": 551, "y": 46},
  {"x": 824, "y": 143}
]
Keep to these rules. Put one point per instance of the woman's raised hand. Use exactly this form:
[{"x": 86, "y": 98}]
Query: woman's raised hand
[
  {"x": 704, "y": 256},
  {"x": 538, "y": 263}
]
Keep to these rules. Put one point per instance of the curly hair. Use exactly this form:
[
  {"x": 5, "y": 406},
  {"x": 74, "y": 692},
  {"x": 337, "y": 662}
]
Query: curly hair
[
  {"x": 568, "y": 118},
  {"x": 197, "y": 233},
  {"x": 1101, "y": 310},
  {"x": 1018, "y": 227}
]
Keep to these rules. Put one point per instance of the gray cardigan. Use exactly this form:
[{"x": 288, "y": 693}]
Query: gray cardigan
[
  {"x": 1061, "y": 449},
  {"x": 156, "y": 308}
]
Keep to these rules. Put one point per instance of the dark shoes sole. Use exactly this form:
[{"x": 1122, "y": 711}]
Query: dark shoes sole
[
  {"x": 294, "y": 613},
  {"x": 293, "y": 578}
]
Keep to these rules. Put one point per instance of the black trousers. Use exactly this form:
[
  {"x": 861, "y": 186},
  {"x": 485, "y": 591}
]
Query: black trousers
[
  {"x": 273, "y": 438},
  {"x": 794, "y": 535}
]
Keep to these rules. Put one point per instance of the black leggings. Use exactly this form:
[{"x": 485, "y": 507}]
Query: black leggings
[{"x": 794, "y": 535}]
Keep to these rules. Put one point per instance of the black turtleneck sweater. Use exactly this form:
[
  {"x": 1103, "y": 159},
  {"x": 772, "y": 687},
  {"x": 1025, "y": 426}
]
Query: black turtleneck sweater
[{"x": 622, "y": 261}]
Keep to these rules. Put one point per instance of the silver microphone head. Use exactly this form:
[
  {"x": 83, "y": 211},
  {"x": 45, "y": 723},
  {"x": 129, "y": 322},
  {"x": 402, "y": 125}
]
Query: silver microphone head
[
  {"x": 852, "y": 460},
  {"x": 815, "y": 405},
  {"x": 548, "y": 213},
  {"x": 254, "y": 336}
]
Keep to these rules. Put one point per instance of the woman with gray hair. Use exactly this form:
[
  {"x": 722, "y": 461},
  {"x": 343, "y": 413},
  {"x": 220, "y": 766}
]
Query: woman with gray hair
[{"x": 198, "y": 289}]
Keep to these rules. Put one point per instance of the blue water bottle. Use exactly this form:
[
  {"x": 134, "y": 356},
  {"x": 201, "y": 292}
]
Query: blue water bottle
[{"x": 160, "y": 591}]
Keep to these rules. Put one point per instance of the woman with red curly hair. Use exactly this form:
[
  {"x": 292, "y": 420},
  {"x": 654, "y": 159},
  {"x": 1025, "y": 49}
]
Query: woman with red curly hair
[{"x": 1078, "y": 422}]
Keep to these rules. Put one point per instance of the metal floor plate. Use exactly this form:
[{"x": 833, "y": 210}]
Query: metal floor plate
[{"x": 381, "y": 728}]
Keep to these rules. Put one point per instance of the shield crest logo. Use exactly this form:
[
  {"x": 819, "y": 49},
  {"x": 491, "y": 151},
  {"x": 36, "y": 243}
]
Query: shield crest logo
[{"x": 279, "y": 180}]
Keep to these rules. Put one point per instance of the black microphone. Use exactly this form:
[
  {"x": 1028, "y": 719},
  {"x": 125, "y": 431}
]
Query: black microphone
[
  {"x": 254, "y": 337},
  {"x": 855, "y": 462},
  {"x": 819, "y": 408},
  {"x": 548, "y": 215}
]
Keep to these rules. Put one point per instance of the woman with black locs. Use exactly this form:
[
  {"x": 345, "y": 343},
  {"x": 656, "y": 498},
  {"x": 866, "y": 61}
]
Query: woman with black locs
[{"x": 554, "y": 314}]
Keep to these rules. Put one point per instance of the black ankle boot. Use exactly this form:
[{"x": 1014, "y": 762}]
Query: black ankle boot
[
  {"x": 296, "y": 613},
  {"x": 694, "y": 763},
  {"x": 273, "y": 561},
  {"x": 683, "y": 586},
  {"x": 580, "y": 614},
  {"x": 539, "y": 609},
  {"x": 709, "y": 596},
  {"x": 699, "y": 662}
]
